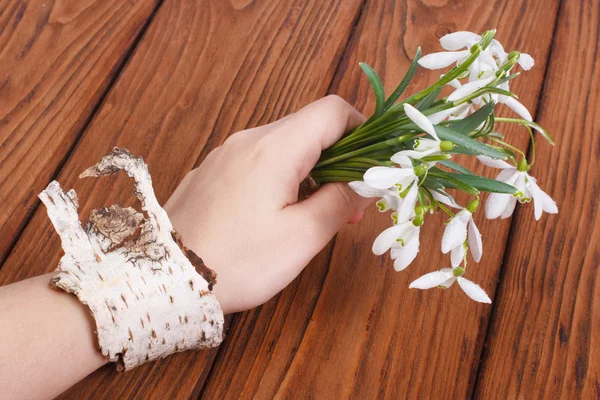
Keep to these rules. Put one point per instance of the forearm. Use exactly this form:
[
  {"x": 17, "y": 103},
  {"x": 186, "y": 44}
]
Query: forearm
[{"x": 48, "y": 342}]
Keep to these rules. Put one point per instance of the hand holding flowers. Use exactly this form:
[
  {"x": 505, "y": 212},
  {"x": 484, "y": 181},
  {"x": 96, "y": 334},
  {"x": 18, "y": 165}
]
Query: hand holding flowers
[{"x": 402, "y": 154}]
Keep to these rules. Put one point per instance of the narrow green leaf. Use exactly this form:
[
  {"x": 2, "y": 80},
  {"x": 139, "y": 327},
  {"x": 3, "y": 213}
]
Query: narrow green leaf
[
  {"x": 428, "y": 100},
  {"x": 405, "y": 81},
  {"x": 473, "y": 145},
  {"x": 530, "y": 124},
  {"x": 484, "y": 184},
  {"x": 507, "y": 78},
  {"x": 455, "y": 166},
  {"x": 449, "y": 181},
  {"x": 469, "y": 124},
  {"x": 377, "y": 88}
]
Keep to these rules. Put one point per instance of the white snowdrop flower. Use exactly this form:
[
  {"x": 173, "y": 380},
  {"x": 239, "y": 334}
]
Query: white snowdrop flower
[
  {"x": 446, "y": 277},
  {"x": 403, "y": 241},
  {"x": 503, "y": 205},
  {"x": 469, "y": 88},
  {"x": 453, "y": 42},
  {"x": 458, "y": 112},
  {"x": 386, "y": 177},
  {"x": 422, "y": 146},
  {"x": 400, "y": 179},
  {"x": 420, "y": 120},
  {"x": 525, "y": 60},
  {"x": 455, "y": 235},
  {"x": 388, "y": 198}
]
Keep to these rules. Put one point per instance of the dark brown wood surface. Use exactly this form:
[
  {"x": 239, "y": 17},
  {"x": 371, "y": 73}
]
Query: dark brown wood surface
[
  {"x": 544, "y": 339},
  {"x": 57, "y": 59},
  {"x": 348, "y": 326}
]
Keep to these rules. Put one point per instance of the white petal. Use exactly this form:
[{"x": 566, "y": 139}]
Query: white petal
[
  {"x": 442, "y": 115},
  {"x": 385, "y": 177},
  {"x": 445, "y": 199},
  {"x": 497, "y": 203},
  {"x": 526, "y": 61},
  {"x": 393, "y": 201},
  {"x": 487, "y": 62},
  {"x": 364, "y": 190},
  {"x": 475, "y": 243},
  {"x": 456, "y": 231},
  {"x": 420, "y": 119},
  {"x": 457, "y": 255},
  {"x": 517, "y": 107},
  {"x": 449, "y": 282},
  {"x": 426, "y": 144},
  {"x": 455, "y": 83},
  {"x": 405, "y": 255},
  {"x": 473, "y": 290},
  {"x": 408, "y": 204},
  {"x": 459, "y": 40},
  {"x": 524, "y": 195},
  {"x": 498, "y": 50},
  {"x": 442, "y": 59},
  {"x": 469, "y": 88},
  {"x": 492, "y": 162},
  {"x": 387, "y": 238},
  {"x": 541, "y": 200},
  {"x": 432, "y": 279},
  {"x": 510, "y": 208}
]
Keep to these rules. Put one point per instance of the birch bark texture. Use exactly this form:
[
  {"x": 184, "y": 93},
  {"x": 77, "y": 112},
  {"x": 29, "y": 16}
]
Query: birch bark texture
[{"x": 149, "y": 295}]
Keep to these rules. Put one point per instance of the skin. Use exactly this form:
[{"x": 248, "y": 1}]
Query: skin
[{"x": 239, "y": 211}]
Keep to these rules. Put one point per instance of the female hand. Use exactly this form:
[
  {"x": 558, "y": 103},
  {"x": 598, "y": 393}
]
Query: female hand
[{"x": 239, "y": 210}]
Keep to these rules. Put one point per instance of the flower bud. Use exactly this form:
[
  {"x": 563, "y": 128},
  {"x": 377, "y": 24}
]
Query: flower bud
[
  {"x": 523, "y": 166},
  {"x": 472, "y": 206},
  {"x": 418, "y": 220},
  {"x": 420, "y": 170},
  {"x": 446, "y": 145},
  {"x": 513, "y": 55},
  {"x": 419, "y": 210}
]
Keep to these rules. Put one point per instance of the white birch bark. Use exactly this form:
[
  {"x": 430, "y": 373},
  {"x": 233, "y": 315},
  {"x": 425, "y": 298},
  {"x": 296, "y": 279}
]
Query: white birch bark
[{"x": 133, "y": 273}]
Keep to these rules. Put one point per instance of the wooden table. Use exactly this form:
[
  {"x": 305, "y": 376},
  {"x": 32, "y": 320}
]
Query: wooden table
[{"x": 171, "y": 79}]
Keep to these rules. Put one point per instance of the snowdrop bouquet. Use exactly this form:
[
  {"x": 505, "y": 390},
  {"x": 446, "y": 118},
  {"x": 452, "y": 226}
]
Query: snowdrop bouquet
[{"x": 402, "y": 154}]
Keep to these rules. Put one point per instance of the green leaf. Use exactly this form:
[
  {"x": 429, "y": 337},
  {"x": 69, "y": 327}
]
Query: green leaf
[
  {"x": 530, "y": 124},
  {"x": 428, "y": 100},
  {"x": 468, "y": 143},
  {"x": 377, "y": 88},
  {"x": 469, "y": 124},
  {"x": 455, "y": 166},
  {"x": 449, "y": 181},
  {"x": 404, "y": 83},
  {"x": 484, "y": 184},
  {"x": 507, "y": 78}
]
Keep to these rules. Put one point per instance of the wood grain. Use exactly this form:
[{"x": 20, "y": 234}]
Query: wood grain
[
  {"x": 202, "y": 70},
  {"x": 57, "y": 58},
  {"x": 366, "y": 335},
  {"x": 544, "y": 339}
]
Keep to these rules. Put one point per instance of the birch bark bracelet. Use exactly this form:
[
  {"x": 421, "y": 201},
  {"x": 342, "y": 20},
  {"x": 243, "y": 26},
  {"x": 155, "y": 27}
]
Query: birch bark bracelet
[{"x": 148, "y": 294}]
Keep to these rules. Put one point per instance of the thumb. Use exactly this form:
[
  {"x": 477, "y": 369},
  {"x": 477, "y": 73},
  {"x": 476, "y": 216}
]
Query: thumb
[{"x": 326, "y": 211}]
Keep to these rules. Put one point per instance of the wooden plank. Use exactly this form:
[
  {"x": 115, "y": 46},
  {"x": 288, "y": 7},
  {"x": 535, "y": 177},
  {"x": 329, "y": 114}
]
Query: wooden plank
[
  {"x": 57, "y": 59},
  {"x": 202, "y": 67},
  {"x": 545, "y": 332},
  {"x": 352, "y": 328}
]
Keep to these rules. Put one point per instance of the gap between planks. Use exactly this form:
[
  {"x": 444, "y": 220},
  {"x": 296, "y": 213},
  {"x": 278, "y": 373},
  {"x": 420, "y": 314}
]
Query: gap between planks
[{"x": 118, "y": 70}]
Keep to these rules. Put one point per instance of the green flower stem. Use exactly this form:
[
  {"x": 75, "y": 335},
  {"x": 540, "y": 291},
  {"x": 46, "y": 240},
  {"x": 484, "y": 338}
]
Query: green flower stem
[
  {"x": 503, "y": 143},
  {"x": 365, "y": 150},
  {"x": 398, "y": 109},
  {"x": 377, "y": 131},
  {"x": 336, "y": 175}
]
